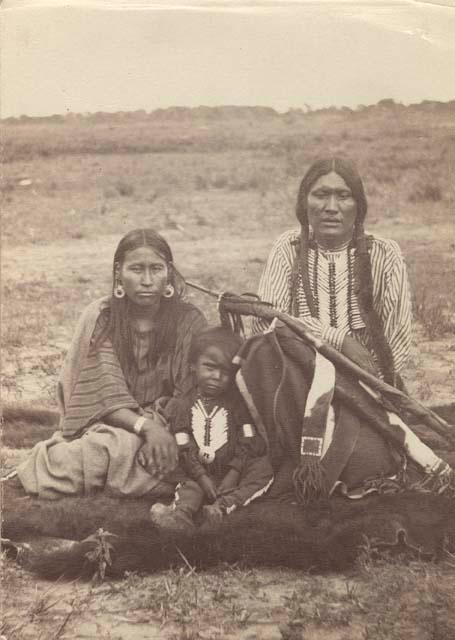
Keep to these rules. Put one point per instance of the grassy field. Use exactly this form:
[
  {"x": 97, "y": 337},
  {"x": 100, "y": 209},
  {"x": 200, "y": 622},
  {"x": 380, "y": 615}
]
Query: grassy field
[{"x": 220, "y": 186}]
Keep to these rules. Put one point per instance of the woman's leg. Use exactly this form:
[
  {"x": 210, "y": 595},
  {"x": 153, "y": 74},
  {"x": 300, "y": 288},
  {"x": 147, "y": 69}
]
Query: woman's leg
[
  {"x": 53, "y": 469},
  {"x": 103, "y": 459}
]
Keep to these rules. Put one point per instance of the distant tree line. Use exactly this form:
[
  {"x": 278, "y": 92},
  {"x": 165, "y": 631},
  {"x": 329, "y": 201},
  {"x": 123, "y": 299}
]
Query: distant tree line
[{"x": 226, "y": 112}]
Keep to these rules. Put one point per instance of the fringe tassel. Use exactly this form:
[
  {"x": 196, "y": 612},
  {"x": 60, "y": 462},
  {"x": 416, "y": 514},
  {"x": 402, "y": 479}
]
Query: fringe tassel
[
  {"x": 442, "y": 483},
  {"x": 232, "y": 321},
  {"x": 309, "y": 481}
]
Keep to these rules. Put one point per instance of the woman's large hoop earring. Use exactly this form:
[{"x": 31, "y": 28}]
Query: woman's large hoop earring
[
  {"x": 119, "y": 291},
  {"x": 169, "y": 291}
]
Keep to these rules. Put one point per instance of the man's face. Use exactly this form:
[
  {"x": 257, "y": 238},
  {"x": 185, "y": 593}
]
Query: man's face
[{"x": 332, "y": 210}]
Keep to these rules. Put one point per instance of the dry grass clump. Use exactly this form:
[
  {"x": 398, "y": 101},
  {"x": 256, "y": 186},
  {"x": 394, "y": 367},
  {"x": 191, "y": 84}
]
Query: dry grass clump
[
  {"x": 24, "y": 425},
  {"x": 31, "y": 611},
  {"x": 435, "y": 313},
  {"x": 395, "y": 609},
  {"x": 427, "y": 192},
  {"x": 380, "y": 602}
]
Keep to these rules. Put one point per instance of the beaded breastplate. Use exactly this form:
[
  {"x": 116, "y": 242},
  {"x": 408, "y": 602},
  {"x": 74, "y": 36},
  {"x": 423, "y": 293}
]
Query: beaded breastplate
[
  {"x": 331, "y": 275},
  {"x": 210, "y": 430}
]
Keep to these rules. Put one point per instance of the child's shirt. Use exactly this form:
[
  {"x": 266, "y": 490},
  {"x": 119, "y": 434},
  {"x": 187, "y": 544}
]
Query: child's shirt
[{"x": 221, "y": 435}]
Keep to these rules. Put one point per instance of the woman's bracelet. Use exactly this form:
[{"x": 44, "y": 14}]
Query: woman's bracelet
[{"x": 139, "y": 425}]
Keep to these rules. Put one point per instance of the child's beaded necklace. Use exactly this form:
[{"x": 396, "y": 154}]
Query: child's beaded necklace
[{"x": 209, "y": 423}]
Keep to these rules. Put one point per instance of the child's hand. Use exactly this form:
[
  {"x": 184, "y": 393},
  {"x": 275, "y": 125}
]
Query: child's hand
[
  {"x": 208, "y": 486},
  {"x": 230, "y": 480}
]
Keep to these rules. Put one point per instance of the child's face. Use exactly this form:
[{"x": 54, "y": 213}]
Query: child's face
[{"x": 213, "y": 371}]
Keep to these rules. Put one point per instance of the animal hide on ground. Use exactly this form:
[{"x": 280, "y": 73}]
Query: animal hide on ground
[{"x": 267, "y": 533}]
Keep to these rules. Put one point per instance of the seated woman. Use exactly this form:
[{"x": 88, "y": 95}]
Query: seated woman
[
  {"x": 127, "y": 365},
  {"x": 351, "y": 290}
]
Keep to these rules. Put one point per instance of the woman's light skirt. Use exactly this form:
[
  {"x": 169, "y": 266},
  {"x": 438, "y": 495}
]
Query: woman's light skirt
[{"x": 103, "y": 459}]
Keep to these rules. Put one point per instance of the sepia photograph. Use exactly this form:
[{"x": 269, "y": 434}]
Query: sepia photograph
[{"x": 228, "y": 319}]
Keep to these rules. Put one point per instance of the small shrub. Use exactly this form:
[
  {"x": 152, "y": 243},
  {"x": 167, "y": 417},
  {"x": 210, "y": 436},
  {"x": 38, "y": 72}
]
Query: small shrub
[
  {"x": 434, "y": 314},
  {"x": 200, "y": 220},
  {"x": 100, "y": 555},
  {"x": 109, "y": 192},
  {"x": 51, "y": 188},
  {"x": 8, "y": 186},
  {"x": 200, "y": 183},
  {"x": 51, "y": 364},
  {"x": 77, "y": 234},
  {"x": 293, "y": 167},
  {"x": 219, "y": 181},
  {"x": 124, "y": 188},
  {"x": 428, "y": 192}
]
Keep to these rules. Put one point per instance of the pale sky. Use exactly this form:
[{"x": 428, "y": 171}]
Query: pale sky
[{"x": 108, "y": 56}]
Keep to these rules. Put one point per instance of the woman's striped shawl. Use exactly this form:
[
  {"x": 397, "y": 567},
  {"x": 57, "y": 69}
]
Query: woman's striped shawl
[{"x": 92, "y": 383}]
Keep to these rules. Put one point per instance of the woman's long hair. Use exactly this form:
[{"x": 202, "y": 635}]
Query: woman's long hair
[
  {"x": 117, "y": 316},
  {"x": 363, "y": 280}
]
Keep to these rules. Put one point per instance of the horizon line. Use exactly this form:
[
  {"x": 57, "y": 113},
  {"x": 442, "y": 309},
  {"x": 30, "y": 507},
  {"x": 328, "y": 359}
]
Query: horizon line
[{"x": 306, "y": 108}]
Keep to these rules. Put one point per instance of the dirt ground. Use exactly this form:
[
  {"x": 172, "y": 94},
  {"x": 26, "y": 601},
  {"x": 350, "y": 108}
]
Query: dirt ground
[{"x": 220, "y": 209}]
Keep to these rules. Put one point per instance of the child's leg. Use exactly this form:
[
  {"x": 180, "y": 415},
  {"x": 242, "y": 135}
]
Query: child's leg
[
  {"x": 189, "y": 497},
  {"x": 256, "y": 479},
  {"x": 166, "y": 487},
  {"x": 179, "y": 515}
]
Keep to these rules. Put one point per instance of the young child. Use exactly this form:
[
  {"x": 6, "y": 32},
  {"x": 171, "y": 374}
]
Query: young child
[{"x": 221, "y": 455}]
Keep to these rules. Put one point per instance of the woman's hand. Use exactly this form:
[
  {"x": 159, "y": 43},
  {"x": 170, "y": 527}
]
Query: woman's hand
[
  {"x": 208, "y": 486},
  {"x": 159, "y": 453}
]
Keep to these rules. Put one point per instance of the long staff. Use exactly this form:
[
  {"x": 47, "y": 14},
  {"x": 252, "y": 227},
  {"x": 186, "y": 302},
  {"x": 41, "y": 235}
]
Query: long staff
[{"x": 402, "y": 403}]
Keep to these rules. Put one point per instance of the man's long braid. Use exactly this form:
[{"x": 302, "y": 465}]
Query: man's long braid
[{"x": 363, "y": 289}]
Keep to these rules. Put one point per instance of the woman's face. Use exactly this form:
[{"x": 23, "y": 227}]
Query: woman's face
[
  {"x": 144, "y": 276},
  {"x": 332, "y": 210}
]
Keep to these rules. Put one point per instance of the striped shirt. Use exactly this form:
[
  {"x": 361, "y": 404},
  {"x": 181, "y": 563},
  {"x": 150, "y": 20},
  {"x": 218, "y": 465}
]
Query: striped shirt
[{"x": 331, "y": 280}]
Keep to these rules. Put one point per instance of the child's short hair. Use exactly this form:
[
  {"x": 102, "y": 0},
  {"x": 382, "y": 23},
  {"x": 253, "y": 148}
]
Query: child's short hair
[{"x": 221, "y": 337}]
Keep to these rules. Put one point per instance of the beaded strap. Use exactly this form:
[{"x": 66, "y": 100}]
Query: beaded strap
[
  {"x": 350, "y": 284},
  {"x": 315, "y": 283},
  {"x": 332, "y": 295}
]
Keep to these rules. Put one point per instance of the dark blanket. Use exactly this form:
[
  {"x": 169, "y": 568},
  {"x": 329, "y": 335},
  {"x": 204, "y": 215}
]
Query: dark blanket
[{"x": 368, "y": 444}]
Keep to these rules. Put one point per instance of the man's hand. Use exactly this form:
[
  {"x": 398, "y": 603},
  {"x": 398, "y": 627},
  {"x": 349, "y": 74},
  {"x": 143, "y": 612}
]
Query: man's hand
[
  {"x": 208, "y": 486},
  {"x": 358, "y": 354}
]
